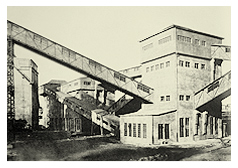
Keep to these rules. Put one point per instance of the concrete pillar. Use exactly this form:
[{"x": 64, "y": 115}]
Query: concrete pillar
[
  {"x": 104, "y": 96},
  {"x": 204, "y": 122},
  {"x": 219, "y": 127}
]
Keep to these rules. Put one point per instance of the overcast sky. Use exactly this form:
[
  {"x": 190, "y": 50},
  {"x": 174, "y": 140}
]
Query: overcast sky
[{"x": 110, "y": 35}]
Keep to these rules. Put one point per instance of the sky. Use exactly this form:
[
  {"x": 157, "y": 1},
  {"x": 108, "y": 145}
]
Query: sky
[{"x": 110, "y": 35}]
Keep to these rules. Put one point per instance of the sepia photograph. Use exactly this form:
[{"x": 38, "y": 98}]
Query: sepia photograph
[{"x": 118, "y": 83}]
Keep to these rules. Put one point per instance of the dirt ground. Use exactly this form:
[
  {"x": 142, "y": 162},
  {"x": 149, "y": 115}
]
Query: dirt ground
[{"x": 110, "y": 149}]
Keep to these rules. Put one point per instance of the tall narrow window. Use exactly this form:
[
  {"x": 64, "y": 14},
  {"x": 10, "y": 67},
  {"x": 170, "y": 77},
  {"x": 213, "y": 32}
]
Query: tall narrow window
[
  {"x": 187, "y": 97},
  {"x": 152, "y": 68},
  {"x": 156, "y": 66},
  {"x": 180, "y": 63},
  {"x": 144, "y": 131},
  {"x": 197, "y": 123},
  {"x": 202, "y": 66},
  {"x": 160, "y": 131},
  {"x": 181, "y": 97},
  {"x": 147, "y": 69},
  {"x": 139, "y": 130},
  {"x": 204, "y": 43},
  {"x": 187, "y": 64},
  {"x": 181, "y": 126},
  {"x": 186, "y": 127},
  {"x": 168, "y": 98},
  {"x": 161, "y": 98},
  {"x": 129, "y": 126},
  {"x": 166, "y": 131},
  {"x": 196, "y": 65},
  {"x": 197, "y": 41},
  {"x": 134, "y": 130},
  {"x": 161, "y": 65},
  {"x": 211, "y": 125},
  {"x": 167, "y": 63}
]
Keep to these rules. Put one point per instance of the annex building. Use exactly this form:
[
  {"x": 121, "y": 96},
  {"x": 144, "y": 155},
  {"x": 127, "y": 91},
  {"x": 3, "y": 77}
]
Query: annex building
[{"x": 178, "y": 62}]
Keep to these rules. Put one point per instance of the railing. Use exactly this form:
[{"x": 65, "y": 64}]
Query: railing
[
  {"x": 78, "y": 62},
  {"x": 219, "y": 87}
]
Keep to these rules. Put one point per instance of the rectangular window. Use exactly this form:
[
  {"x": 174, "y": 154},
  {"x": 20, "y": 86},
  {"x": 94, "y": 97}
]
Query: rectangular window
[
  {"x": 152, "y": 68},
  {"x": 86, "y": 83},
  {"x": 203, "y": 43},
  {"x": 181, "y": 97},
  {"x": 181, "y": 126},
  {"x": 147, "y": 69},
  {"x": 139, "y": 130},
  {"x": 211, "y": 125},
  {"x": 187, "y": 97},
  {"x": 187, "y": 64},
  {"x": 186, "y": 127},
  {"x": 166, "y": 131},
  {"x": 134, "y": 130},
  {"x": 167, "y": 63},
  {"x": 228, "y": 49},
  {"x": 161, "y": 98},
  {"x": 160, "y": 131},
  {"x": 196, "y": 65},
  {"x": 144, "y": 131},
  {"x": 161, "y": 65},
  {"x": 202, "y": 66},
  {"x": 129, "y": 126},
  {"x": 125, "y": 129},
  {"x": 75, "y": 83},
  {"x": 156, "y": 66},
  {"x": 180, "y": 63},
  {"x": 168, "y": 98},
  {"x": 146, "y": 47},
  {"x": 196, "y": 41}
]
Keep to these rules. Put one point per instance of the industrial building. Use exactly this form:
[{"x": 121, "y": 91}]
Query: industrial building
[
  {"x": 26, "y": 92},
  {"x": 174, "y": 95},
  {"x": 177, "y": 62}
]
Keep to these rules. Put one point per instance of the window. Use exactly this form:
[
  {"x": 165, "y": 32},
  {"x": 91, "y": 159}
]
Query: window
[
  {"x": 203, "y": 43},
  {"x": 125, "y": 129},
  {"x": 164, "y": 40},
  {"x": 161, "y": 98},
  {"x": 161, "y": 65},
  {"x": 187, "y": 64},
  {"x": 186, "y": 127},
  {"x": 181, "y": 126},
  {"x": 167, "y": 63},
  {"x": 144, "y": 131},
  {"x": 166, "y": 131},
  {"x": 160, "y": 131},
  {"x": 146, "y": 47},
  {"x": 168, "y": 98},
  {"x": 202, "y": 66},
  {"x": 184, "y": 39},
  {"x": 180, "y": 63},
  {"x": 211, "y": 125},
  {"x": 187, "y": 97},
  {"x": 196, "y": 65},
  {"x": 134, "y": 130},
  {"x": 181, "y": 97},
  {"x": 86, "y": 83},
  {"x": 75, "y": 83},
  {"x": 228, "y": 49},
  {"x": 156, "y": 66},
  {"x": 147, "y": 69},
  {"x": 152, "y": 68},
  {"x": 139, "y": 130},
  {"x": 196, "y": 41},
  {"x": 216, "y": 125},
  {"x": 129, "y": 126}
]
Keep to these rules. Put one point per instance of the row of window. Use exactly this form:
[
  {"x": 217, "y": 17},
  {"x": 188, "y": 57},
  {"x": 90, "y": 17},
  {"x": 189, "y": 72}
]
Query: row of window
[
  {"x": 187, "y": 64},
  {"x": 164, "y": 40},
  {"x": 184, "y": 97},
  {"x": 158, "y": 66},
  {"x": 189, "y": 40},
  {"x": 213, "y": 124},
  {"x": 163, "y": 98},
  {"x": 184, "y": 127},
  {"x": 136, "y": 128}
]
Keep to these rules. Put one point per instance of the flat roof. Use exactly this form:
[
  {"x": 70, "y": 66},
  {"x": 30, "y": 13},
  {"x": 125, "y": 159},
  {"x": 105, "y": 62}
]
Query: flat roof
[{"x": 182, "y": 28}]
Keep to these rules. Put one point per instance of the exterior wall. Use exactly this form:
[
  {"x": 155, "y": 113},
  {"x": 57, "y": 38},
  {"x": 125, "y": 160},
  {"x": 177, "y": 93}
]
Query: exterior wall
[
  {"x": 136, "y": 120},
  {"x": 165, "y": 119},
  {"x": 163, "y": 80},
  {"x": 26, "y": 93},
  {"x": 152, "y": 48},
  {"x": 193, "y": 48}
]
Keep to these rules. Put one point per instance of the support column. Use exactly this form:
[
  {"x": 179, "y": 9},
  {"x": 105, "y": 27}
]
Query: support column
[
  {"x": 204, "y": 122},
  {"x": 10, "y": 91},
  {"x": 219, "y": 128},
  {"x": 96, "y": 94}
]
